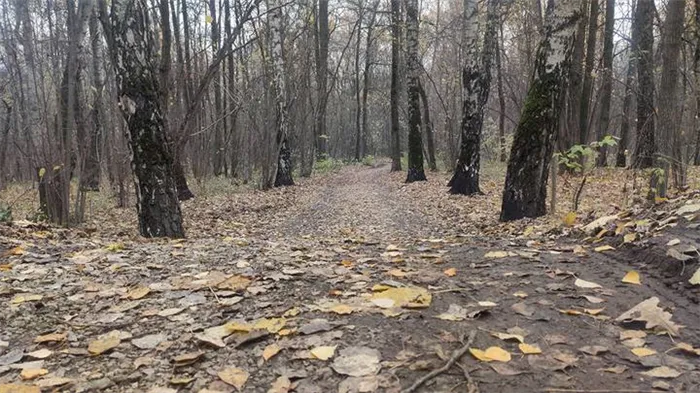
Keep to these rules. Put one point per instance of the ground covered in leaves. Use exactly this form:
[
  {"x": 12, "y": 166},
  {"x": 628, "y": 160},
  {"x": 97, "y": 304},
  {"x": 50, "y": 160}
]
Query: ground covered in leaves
[{"x": 356, "y": 282}]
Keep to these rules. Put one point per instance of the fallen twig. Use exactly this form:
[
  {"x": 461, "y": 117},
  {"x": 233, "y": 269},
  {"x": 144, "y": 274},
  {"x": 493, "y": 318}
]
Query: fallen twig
[
  {"x": 455, "y": 357},
  {"x": 472, "y": 387}
]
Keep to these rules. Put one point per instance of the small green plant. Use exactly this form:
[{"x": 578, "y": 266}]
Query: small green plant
[
  {"x": 368, "y": 161},
  {"x": 5, "y": 213},
  {"x": 579, "y": 156},
  {"x": 328, "y": 165}
]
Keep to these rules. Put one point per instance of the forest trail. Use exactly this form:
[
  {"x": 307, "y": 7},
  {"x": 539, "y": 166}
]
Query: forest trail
[{"x": 351, "y": 282}]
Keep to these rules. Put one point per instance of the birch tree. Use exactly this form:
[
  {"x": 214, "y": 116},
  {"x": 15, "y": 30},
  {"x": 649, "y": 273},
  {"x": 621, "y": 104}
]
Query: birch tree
[
  {"x": 525, "y": 189},
  {"x": 413, "y": 69},
  {"x": 133, "y": 49},
  {"x": 476, "y": 83}
]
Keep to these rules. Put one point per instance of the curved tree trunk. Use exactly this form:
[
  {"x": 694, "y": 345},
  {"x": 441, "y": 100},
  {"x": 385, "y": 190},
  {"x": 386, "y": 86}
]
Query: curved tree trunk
[
  {"x": 413, "y": 68},
  {"x": 525, "y": 190},
  {"x": 476, "y": 83},
  {"x": 133, "y": 49}
]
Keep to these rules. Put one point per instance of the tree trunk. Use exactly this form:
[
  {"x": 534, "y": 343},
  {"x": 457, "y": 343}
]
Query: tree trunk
[
  {"x": 630, "y": 81},
  {"x": 569, "y": 135},
  {"x": 358, "y": 88},
  {"x": 606, "y": 85},
  {"x": 133, "y": 50},
  {"x": 282, "y": 173},
  {"x": 90, "y": 177},
  {"x": 428, "y": 124},
  {"x": 646, "y": 144},
  {"x": 367, "y": 76},
  {"x": 587, "y": 90},
  {"x": 669, "y": 104},
  {"x": 525, "y": 190},
  {"x": 476, "y": 83},
  {"x": 395, "y": 147},
  {"x": 323, "y": 36},
  {"x": 502, "y": 156},
  {"x": 183, "y": 190},
  {"x": 696, "y": 74},
  {"x": 232, "y": 109},
  {"x": 218, "y": 148},
  {"x": 413, "y": 70}
]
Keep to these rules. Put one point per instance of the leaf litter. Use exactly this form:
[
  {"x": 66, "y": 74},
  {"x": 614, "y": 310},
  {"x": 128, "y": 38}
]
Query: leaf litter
[{"x": 270, "y": 286}]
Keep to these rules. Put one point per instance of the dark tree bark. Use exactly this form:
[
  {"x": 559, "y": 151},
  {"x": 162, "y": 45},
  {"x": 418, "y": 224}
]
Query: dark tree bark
[
  {"x": 630, "y": 82},
  {"x": 428, "y": 124},
  {"x": 90, "y": 176},
  {"x": 525, "y": 190},
  {"x": 183, "y": 190},
  {"x": 218, "y": 148},
  {"x": 233, "y": 106},
  {"x": 569, "y": 135},
  {"x": 413, "y": 68},
  {"x": 476, "y": 83},
  {"x": 696, "y": 74},
  {"x": 367, "y": 75},
  {"x": 646, "y": 144},
  {"x": 322, "y": 37},
  {"x": 358, "y": 88},
  {"x": 606, "y": 85},
  {"x": 587, "y": 90},
  {"x": 133, "y": 50},
  {"x": 395, "y": 147},
  {"x": 670, "y": 106}
]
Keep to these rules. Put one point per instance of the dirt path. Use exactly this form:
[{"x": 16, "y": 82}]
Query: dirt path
[{"x": 356, "y": 286}]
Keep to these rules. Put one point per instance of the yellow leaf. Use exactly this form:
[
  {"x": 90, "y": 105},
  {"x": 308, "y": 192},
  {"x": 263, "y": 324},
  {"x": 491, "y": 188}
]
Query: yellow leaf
[
  {"x": 52, "y": 337},
  {"x": 397, "y": 273},
  {"x": 114, "y": 247},
  {"x": 491, "y": 354},
  {"x": 270, "y": 351},
  {"x": 642, "y": 352},
  {"x": 629, "y": 238},
  {"x": 208, "y": 19},
  {"x": 528, "y": 349},
  {"x": 569, "y": 219},
  {"x": 272, "y": 325},
  {"x": 604, "y": 248},
  {"x": 32, "y": 373},
  {"x": 138, "y": 293},
  {"x": 570, "y": 312},
  {"x": 42, "y": 172},
  {"x": 632, "y": 277},
  {"x": 16, "y": 388},
  {"x": 105, "y": 343},
  {"x": 233, "y": 376},
  {"x": 407, "y": 297},
  {"x": 342, "y": 309},
  {"x": 286, "y": 332},
  {"x": 451, "y": 272},
  {"x": 323, "y": 352},
  {"x": 593, "y": 311},
  {"x": 18, "y": 299},
  {"x": 346, "y": 263}
]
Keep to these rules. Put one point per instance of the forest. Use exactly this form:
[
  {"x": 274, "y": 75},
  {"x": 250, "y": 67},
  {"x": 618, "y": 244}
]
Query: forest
[{"x": 349, "y": 195}]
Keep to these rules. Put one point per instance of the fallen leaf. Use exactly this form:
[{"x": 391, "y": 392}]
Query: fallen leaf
[
  {"x": 281, "y": 385},
  {"x": 586, "y": 284},
  {"x": 16, "y": 388},
  {"x": 569, "y": 219},
  {"x": 323, "y": 352},
  {"x": 632, "y": 277},
  {"x": 451, "y": 272},
  {"x": 662, "y": 372},
  {"x": 342, "y": 309},
  {"x": 628, "y": 334},
  {"x": 40, "y": 354},
  {"x": 593, "y": 299},
  {"x": 105, "y": 342},
  {"x": 51, "y": 337},
  {"x": 695, "y": 279},
  {"x": 357, "y": 361},
  {"x": 233, "y": 376},
  {"x": 594, "y": 349},
  {"x": 685, "y": 347},
  {"x": 649, "y": 311},
  {"x": 523, "y": 309},
  {"x": 673, "y": 242},
  {"x": 508, "y": 336},
  {"x": 406, "y": 297},
  {"x": 27, "y": 297},
  {"x": 33, "y": 373},
  {"x": 520, "y": 294},
  {"x": 606, "y": 247},
  {"x": 504, "y": 369},
  {"x": 491, "y": 354},
  {"x": 619, "y": 369},
  {"x": 629, "y": 237},
  {"x": 569, "y": 311},
  {"x": 643, "y": 351},
  {"x": 454, "y": 313},
  {"x": 499, "y": 254},
  {"x": 138, "y": 293},
  {"x": 593, "y": 311},
  {"x": 270, "y": 351},
  {"x": 54, "y": 382},
  {"x": 529, "y": 349}
]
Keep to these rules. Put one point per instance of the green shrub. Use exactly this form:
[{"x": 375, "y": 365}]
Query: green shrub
[
  {"x": 368, "y": 161},
  {"x": 5, "y": 213},
  {"x": 328, "y": 165}
]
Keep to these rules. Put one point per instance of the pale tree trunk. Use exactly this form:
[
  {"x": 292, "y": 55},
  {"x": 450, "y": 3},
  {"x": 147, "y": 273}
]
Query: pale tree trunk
[
  {"x": 413, "y": 70},
  {"x": 358, "y": 88},
  {"x": 646, "y": 125},
  {"x": 669, "y": 104},
  {"x": 569, "y": 135},
  {"x": 606, "y": 85},
  {"x": 281, "y": 175},
  {"x": 476, "y": 83},
  {"x": 90, "y": 177},
  {"x": 502, "y": 156},
  {"x": 133, "y": 49},
  {"x": 525, "y": 190},
  {"x": 587, "y": 90},
  {"x": 395, "y": 147},
  {"x": 367, "y": 76},
  {"x": 218, "y": 148}
]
